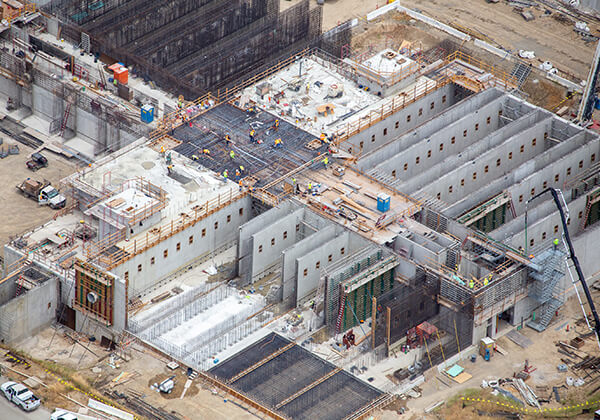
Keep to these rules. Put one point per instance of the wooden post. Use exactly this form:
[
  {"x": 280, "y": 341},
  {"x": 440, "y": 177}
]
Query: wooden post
[
  {"x": 387, "y": 321},
  {"x": 373, "y": 319}
]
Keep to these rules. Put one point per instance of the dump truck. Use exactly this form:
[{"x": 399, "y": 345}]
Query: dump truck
[
  {"x": 20, "y": 395},
  {"x": 43, "y": 193}
]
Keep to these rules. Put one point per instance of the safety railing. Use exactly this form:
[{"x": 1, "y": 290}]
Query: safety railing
[
  {"x": 153, "y": 237},
  {"x": 391, "y": 107}
]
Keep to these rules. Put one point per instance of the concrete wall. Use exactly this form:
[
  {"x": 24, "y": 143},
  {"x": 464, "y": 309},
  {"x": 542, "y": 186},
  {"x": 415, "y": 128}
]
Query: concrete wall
[
  {"x": 245, "y": 240},
  {"x": 468, "y": 154},
  {"x": 307, "y": 284},
  {"x": 453, "y": 113},
  {"x": 452, "y": 138},
  {"x": 290, "y": 256},
  {"x": 492, "y": 164},
  {"x": 29, "y": 313},
  {"x": 423, "y": 251},
  {"x": 377, "y": 130},
  {"x": 268, "y": 244},
  {"x": 513, "y": 179},
  {"x": 213, "y": 238}
]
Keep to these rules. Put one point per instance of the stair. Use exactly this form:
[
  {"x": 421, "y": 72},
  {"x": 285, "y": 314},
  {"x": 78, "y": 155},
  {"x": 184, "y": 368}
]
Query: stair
[
  {"x": 520, "y": 71},
  {"x": 544, "y": 315}
]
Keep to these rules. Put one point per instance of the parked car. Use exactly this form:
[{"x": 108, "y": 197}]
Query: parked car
[
  {"x": 20, "y": 395},
  {"x": 37, "y": 161}
]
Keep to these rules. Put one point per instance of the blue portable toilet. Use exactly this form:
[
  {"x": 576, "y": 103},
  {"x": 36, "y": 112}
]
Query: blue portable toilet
[
  {"x": 383, "y": 202},
  {"x": 147, "y": 113}
]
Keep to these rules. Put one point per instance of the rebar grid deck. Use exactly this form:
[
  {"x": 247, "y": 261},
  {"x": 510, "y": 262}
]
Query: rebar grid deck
[
  {"x": 263, "y": 161},
  {"x": 297, "y": 383}
]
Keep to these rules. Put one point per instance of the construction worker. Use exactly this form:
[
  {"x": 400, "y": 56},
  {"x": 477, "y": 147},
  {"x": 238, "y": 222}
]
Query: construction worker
[
  {"x": 194, "y": 157},
  {"x": 326, "y": 161},
  {"x": 323, "y": 138},
  {"x": 169, "y": 169},
  {"x": 227, "y": 139},
  {"x": 293, "y": 181},
  {"x": 278, "y": 143},
  {"x": 310, "y": 188},
  {"x": 555, "y": 243},
  {"x": 276, "y": 126},
  {"x": 242, "y": 169},
  {"x": 115, "y": 82},
  {"x": 206, "y": 152},
  {"x": 252, "y": 133},
  {"x": 485, "y": 281},
  {"x": 471, "y": 284},
  {"x": 237, "y": 174},
  {"x": 232, "y": 154},
  {"x": 240, "y": 184},
  {"x": 225, "y": 174}
]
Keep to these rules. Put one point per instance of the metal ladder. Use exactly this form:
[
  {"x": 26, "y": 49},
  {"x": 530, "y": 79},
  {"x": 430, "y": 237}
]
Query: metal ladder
[{"x": 65, "y": 119}]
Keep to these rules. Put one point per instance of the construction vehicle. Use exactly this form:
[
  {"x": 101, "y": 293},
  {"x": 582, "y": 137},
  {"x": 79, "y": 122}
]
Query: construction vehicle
[
  {"x": 43, "y": 192},
  {"x": 36, "y": 162},
  {"x": 20, "y": 395}
]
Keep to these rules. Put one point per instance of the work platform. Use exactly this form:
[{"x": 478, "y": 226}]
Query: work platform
[{"x": 263, "y": 162}]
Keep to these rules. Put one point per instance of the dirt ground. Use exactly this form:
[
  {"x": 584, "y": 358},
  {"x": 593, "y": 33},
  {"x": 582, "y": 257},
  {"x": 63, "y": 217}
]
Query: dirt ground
[
  {"x": 143, "y": 369},
  {"x": 22, "y": 213},
  {"x": 551, "y": 39},
  {"x": 542, "y": 355}
]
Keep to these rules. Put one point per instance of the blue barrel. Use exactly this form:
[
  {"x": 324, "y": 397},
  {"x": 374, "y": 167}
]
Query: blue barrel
[{"x": 597, "y": 104}]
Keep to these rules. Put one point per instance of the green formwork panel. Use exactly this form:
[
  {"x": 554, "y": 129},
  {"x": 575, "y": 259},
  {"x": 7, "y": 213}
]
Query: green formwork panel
[{"x": 359, "y": 300}]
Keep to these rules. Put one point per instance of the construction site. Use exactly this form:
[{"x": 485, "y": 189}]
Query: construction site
[{"x": 291, "y": 210}]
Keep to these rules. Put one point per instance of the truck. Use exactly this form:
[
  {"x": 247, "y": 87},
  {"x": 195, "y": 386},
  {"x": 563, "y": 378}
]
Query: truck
[
  {"x": 36, "y": 162},
  {"x": 43, "y": 193},
  {"x": 62, "y": 415},
  {"x": 20, "y": 395}
]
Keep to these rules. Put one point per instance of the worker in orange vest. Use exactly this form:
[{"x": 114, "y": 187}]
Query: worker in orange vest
[{"x": 278, "y": 143}]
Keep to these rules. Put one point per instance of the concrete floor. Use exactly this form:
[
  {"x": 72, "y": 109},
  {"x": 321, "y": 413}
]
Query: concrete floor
[{"x": 22, "y": 213}]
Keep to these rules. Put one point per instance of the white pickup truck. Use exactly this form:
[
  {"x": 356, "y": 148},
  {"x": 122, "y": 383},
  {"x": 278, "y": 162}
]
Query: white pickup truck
[{"x": 20, "y": 395}]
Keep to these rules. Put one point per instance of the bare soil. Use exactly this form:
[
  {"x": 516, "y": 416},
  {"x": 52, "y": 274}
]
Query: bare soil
[{"x": 19, "y": 212}]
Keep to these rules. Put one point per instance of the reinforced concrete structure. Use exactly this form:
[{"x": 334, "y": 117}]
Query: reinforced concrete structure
[{"x": 391, "y": 213}]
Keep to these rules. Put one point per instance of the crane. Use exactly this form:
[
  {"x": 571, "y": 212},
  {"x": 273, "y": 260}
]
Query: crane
[{"x": 569, "y": 245}]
